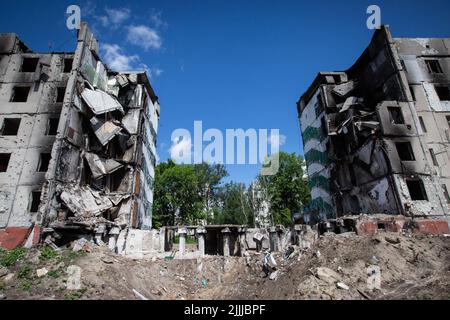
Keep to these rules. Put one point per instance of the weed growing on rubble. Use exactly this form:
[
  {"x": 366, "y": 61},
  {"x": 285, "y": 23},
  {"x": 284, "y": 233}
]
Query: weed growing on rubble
[
  {"x": 10, "y": 258},
  {"x": 24, "y": 272},
  {"x": 48, "y": 253},
  {"x": 53, "y": 273},
  {"x": 25, "y": 285},
  {"x": 75, "y": 295},
  {"x": 2, "y": 285},
  {"x": 72, "y": 255}
]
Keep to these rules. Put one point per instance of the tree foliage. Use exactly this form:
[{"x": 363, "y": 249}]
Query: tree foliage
[{"x": 287, "y": 190}]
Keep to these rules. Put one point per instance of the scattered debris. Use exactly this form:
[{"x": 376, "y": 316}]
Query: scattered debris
[
  {"x": 343, "y": 286},
  {"x": 41, "y": 272},
  {"x": 274, "y": 275},
  {"x": 327, "y": 275},
  {"x": 139, "y": 295},
  {"x": 74, "y": 278}
]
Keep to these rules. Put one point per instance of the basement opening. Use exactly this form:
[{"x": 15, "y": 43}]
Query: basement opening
[
  {"x": 29, "y": 64},
  {"x": 405, "y": 151},
  {"x": 20, "y": 94},
  {"x": 4, "y": 161},
  {"x": 35, "y": 201},
  {"x": 10, "y": 126},
  {"x": 396, "y": 116},
  {"x": 44, "y": 161},
  {"x": 416, "y": 189},
  {"x": 443, "y": 93}
]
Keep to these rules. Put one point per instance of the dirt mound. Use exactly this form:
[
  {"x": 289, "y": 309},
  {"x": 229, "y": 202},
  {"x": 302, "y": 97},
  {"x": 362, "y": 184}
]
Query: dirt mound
[{"x": 342, "y": 266}]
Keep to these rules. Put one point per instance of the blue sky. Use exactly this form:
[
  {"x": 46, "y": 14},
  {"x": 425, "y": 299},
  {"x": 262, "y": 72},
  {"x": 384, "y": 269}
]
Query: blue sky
[{"x": 231, "y": 64}]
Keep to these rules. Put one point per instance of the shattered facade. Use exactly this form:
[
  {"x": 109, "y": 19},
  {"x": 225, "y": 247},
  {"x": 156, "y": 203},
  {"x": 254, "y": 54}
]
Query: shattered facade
[
  {"x": 77, "y": 144},
  {"x": 376, "y": 137}
]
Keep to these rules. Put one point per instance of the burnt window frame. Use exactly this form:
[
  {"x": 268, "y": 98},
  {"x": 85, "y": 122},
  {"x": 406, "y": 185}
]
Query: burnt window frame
[
  {"x": 34, "y": 64},
  {"x": 52, "y": 126},
  {"x": 60, "y": 93},
  {"x": 400, "y": 113},
  {"x": 16, "y": 126},
  {"x": 437, "y": 70},
  {"x": 34, "y": 201},
  {"x": 421, "y": 186},
  {"x": 439, "y": 93},
  {"x": 3, "y": 157},
  {"x": 14, "y": 94},
  {"x": 410, "y": 150},
  {"x": 44, "y": 162}
]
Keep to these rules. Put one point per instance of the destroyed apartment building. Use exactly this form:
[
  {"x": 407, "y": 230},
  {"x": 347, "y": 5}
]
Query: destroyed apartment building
[
  {"x": 77, "y": 145},
  {"x": 376, "y": 137}
]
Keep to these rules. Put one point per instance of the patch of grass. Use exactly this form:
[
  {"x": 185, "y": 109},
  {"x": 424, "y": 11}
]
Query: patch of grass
[
  {"x": 54, "y": 274},
  {"x": 48, "y": 253},
  {"x": 72, "y": 255},
  {"x": 25, "y": 285},
  {"x": 75, "y": 295},
  {"x": 24, "y": 272},
  {"x": 9, "y": 258},
  {"x": 2, "y": 285}
]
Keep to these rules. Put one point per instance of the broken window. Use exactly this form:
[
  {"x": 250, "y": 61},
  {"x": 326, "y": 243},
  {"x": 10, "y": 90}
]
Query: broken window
[
  {"x": 433, "y": 157},
  {"x": 443, "y": 92},
  {"x": 20, "y": 94},
  {"x": 52, "y": 127},
  {"x": 433, "y": 66},
  {"x": 422, "y": 124},
  {"x": 60, "y": 94},
  {"x": 68, "y": 65},
  {"x": 405, "y": 151},
  {"x": 4, "y": 161},
  {"x": 29, "y": 64},
  {"x": 35, "y": 201},
  {"x": 413, "y": 94},
  {"x": 324, "y": 126},
  {"x": 403, "y": 65},
  {"x": 10, "y": 126},
  {"x": 44, "y": 160},
  {"x": 396, "y": 116},
  {"x": 416, "y": 189},
  {"x": 446, "y": 194}
]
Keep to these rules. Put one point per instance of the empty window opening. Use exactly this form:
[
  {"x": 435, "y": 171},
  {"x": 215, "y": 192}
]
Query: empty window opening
[
  {"x": 422, "y": 124},
  {"x": 35, "y": 201},
  {"x": 405, "y": 151},
  {"x": 433, "y": 157},
  {"x": 4, "y": 161},
  {"x": 52, "y": 126},
  {"x": 68, "y": 65},
  {"x": 416, "y": 190},
  {"x": 20, "y": 94},
  {"x": 433, "y": 66},
  {"x": 413, "y": 94},
  {"x": 44, "y": 160},
  {"x": 60, "y": 94},
  {"x": 29, "y": 64},
  {"x": 10, "y": 127},
  {"x": 446, "y": 194},
  {"x": 396, "y": 116},
  {"x": 443, "y": 93},
  {"x": 403, "y": 65}
]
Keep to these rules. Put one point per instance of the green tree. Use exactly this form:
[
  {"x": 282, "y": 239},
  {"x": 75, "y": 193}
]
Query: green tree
[
  {"x": 234, "y": 206},
  {"x": 287, "y": 190},
  {"x": 183, "y": 192}
]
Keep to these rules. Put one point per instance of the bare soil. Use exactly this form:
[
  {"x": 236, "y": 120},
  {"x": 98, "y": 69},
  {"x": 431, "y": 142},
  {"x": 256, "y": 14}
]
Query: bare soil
[{"x": 411, "y": 268}]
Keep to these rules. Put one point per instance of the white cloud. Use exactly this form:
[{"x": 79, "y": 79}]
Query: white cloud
[
  {"x": 114, "y": 17},
  {"x": 180, "y": 151},
  {"x": 273, "y": 137},
  {"x": 116, "y": 59},
  {"x": 156, "y": 20},
  {"x": 144, "y": 37}
]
